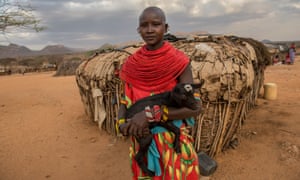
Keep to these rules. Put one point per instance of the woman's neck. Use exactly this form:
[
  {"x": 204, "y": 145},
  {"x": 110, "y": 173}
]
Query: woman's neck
[{"x": 155, "y": 47}]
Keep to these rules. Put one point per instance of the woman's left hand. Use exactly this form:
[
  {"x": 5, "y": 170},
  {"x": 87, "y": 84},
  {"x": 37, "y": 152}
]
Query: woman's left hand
[{"x": 136, "y": 126}]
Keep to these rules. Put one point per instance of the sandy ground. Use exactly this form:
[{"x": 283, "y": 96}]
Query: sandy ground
[{"x": 45, "y": 134}]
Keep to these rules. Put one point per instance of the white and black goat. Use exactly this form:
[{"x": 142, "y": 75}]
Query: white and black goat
[{"x": 182, "y": 95}]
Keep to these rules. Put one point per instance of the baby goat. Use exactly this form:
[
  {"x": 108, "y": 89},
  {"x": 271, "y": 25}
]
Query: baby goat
[{"x": 182, "y": 95}]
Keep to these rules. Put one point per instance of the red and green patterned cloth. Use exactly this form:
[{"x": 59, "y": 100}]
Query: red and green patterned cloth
[
  {"x": 151, "y": 72},
  {"x": 172, "y": 166}
]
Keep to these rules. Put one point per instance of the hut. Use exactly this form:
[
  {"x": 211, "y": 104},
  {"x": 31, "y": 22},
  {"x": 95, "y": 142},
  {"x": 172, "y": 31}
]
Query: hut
[{"x": 231, "y": 67}]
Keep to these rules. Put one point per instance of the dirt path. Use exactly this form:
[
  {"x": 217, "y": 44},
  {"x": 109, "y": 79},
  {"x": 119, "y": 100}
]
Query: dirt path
[{"x": 45, "y": 134}]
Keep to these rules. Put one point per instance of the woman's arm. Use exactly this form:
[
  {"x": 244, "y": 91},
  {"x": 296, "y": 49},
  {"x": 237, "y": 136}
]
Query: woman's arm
[
  {"x": 138, "y": 124},
  {"x": 181, "y": 113},
  {"x": 186, "y": 76}
]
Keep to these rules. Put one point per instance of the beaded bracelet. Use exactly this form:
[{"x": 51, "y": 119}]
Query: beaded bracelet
[
  {"x": 123, "y": 102},
  {"x": 165, "y": 111},
  {"x": 119, "y": 122},
  {"x": 197, "y": 96}
]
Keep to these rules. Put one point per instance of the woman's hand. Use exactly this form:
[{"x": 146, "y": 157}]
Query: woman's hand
[{"x": 136, "y": 126}]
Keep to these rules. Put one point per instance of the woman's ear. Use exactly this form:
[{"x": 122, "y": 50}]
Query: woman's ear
[{"x": 166, "y": 27}]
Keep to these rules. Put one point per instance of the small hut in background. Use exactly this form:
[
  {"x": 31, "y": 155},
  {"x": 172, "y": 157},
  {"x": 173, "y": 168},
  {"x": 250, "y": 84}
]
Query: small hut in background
[{"x": 232, "y": 68}]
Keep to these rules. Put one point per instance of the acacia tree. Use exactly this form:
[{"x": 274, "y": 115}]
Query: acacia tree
[{"x": 14, "y": 13}]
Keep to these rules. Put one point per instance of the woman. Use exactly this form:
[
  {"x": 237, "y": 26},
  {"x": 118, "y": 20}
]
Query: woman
[
  {"x": 155, "y": 68},
  {"x": 292, "y": 52}
]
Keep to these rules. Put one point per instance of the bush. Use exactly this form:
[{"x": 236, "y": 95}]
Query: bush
[{"x": 68, "y": 67}]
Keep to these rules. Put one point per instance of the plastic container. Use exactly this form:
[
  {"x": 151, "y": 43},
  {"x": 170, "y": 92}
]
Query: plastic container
[
  {"x": 270, "y": 91},
  {"x": 207, "y": 165}
]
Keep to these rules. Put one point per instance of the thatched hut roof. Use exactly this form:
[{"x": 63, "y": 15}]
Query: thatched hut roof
[{"x": 232, "y": 68}]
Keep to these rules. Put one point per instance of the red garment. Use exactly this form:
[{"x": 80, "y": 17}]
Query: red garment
[
  {"x": 293, "y": 46},
  {"x": 154, "y": 70}
]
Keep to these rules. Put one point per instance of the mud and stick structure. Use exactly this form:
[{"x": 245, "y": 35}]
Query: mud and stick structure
[{"x": 232, "y": 69}]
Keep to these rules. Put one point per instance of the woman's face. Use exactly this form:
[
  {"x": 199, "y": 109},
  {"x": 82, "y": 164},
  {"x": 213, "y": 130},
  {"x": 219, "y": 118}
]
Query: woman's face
[{"x": 152, "y": 28}]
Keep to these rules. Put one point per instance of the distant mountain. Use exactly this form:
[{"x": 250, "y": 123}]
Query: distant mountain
[
  {"x": 266, "y": 41},
  {"x": 57, "y": 49},
  {"x": 14, "y": 50}
]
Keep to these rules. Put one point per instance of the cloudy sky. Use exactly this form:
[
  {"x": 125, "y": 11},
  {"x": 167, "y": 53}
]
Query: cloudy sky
[{"x": 89, "y": 23}]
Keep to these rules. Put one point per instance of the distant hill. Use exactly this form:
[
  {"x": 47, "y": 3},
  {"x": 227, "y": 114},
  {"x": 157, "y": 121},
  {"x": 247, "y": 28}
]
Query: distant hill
[
  {"x": 55, "y": 49},
  {"x": 14, "y": 51}
]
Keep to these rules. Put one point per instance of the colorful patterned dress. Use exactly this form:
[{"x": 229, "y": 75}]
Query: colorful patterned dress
[{"x": 151, "y": 72}]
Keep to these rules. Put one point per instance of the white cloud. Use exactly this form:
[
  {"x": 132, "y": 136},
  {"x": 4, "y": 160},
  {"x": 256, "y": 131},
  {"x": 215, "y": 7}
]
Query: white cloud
[
  {"x": 93, "y": 37},
  {"x": 296, "y": 5},
  {"x": 88, "y": 6},
  {"x": 232, "y": 6},
  {"x": 90, "y": 23}
]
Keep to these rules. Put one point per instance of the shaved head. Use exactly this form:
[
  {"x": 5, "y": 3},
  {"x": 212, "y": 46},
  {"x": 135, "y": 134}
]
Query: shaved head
[
  {"x": 152, "y": 27},
  {"x": 156, "y": 10}
]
